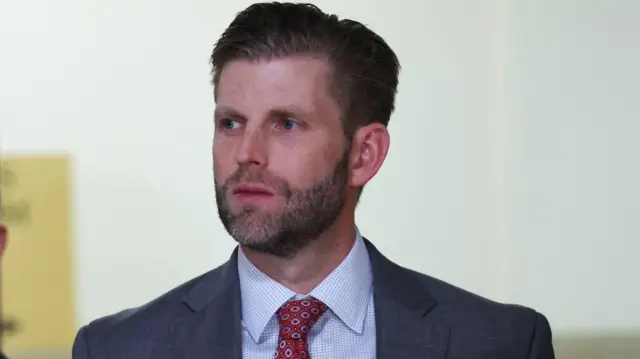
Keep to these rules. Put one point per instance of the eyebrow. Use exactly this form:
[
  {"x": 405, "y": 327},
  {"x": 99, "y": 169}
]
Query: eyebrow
[
  {"x": 292, "y": 110},
  {"x": 221, "y": 112}
]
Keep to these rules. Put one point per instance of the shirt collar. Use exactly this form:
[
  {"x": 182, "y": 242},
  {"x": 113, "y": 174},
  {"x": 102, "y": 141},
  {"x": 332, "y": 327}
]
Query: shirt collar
[{"x": 346, "y": 291}]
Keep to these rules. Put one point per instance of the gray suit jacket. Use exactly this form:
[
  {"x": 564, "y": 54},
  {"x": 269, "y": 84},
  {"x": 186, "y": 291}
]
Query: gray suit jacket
[{"x": 417, "y": 317}]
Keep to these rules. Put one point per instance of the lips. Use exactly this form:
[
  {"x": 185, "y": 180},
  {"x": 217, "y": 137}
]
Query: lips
[{"x": 252, "y": 190}]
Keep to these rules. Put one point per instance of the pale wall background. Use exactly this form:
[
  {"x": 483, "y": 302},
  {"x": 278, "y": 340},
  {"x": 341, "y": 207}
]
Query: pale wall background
[{"x": 513, "y": 170}]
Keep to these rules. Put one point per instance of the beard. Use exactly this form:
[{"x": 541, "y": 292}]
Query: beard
[{"x": 307, "y": 213}]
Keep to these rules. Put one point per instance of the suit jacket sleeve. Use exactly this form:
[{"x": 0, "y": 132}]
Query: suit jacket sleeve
[
  {"x": 80, "y": 349},
  {"x": 541, "y": 342}
]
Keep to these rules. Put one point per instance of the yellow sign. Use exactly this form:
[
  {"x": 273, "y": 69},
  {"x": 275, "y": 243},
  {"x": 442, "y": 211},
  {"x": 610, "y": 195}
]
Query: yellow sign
[{"x": 37, "y": 296}]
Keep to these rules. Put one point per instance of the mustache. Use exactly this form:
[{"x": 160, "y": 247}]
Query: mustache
[{"x": 247, "y": 176}]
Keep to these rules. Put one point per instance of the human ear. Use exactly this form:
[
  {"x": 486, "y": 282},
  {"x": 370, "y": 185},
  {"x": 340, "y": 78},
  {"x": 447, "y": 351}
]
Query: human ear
[{"x": 369, "y": 148}]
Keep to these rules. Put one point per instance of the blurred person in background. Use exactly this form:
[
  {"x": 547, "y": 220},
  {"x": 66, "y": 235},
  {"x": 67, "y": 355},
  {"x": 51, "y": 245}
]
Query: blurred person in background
[
  {"x": 3, "y": 238},
  {"x": 3, "y": 246},
  {"x": 303, "y": 100}
]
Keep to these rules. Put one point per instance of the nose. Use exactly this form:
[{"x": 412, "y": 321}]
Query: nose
[{"x": 251, "y": 151}]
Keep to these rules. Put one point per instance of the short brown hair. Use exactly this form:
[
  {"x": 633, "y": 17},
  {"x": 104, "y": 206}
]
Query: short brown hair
[{"x": 365, "y": 68}]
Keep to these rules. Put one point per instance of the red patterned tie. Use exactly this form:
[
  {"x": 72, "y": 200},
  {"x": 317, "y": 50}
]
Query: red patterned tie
[{"x": 296, "y": 320}]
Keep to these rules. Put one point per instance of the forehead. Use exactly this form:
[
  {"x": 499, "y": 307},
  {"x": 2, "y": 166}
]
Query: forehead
[{"x": 300, "y": 81}]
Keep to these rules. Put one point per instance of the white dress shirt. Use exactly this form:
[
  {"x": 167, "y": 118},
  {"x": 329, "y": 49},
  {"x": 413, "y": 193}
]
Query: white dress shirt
[{"x": 346, "y": 330}]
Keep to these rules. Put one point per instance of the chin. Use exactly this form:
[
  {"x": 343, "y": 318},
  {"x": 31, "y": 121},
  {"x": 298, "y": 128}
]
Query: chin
[
  {"x": 271, "y": 247},
  {"x": 255, "y": 209}
]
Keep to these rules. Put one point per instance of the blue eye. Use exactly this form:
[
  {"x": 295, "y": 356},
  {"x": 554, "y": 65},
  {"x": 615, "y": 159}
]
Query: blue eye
[
  {"x": 288, "y": 124},
  {"x": 228, "y": 124}
]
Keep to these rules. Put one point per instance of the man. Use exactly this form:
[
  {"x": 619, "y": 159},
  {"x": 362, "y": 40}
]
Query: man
[
  {"x": 3, "y": 246},
  {"x": 303, "y": 100}
]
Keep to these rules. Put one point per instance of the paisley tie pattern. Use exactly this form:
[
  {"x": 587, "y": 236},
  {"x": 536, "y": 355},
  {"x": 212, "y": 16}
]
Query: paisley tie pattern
[{"x": 296, "y": 320}]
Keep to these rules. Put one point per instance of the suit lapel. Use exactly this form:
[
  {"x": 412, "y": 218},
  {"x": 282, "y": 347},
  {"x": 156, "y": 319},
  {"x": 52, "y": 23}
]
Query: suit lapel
[
  {"x": 404, "y": 327},
  {"x": 211, "y": 327}
]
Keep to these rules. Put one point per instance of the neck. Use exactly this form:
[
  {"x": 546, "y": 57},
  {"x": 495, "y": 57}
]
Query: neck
[{"x": 309, "y": 266}]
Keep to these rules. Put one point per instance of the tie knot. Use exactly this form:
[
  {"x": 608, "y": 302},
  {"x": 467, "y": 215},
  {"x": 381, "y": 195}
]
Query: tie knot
[{"x": 297, "y": 317}]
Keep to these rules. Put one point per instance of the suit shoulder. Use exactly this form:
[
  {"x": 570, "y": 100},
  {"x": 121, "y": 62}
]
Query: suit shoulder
[
  {"x": 143, "y": 323},
  {"x": 456, "y": 306},
  {"x": 148, "y": 311},
  {"x": 142, "y": 332},
  {"x": 478, "y": 324},
  {"x": 451, "y": 295},
  {"x": 465, "y": 309}
]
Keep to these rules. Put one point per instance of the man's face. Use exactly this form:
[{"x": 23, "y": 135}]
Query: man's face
[{"x": 280, "y": 157}]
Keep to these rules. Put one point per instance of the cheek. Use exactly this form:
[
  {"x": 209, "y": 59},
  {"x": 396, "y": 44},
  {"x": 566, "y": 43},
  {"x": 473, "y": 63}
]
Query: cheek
[
  {"x": 301, "y": 167},
  {"x": 223, "y": 167}
]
